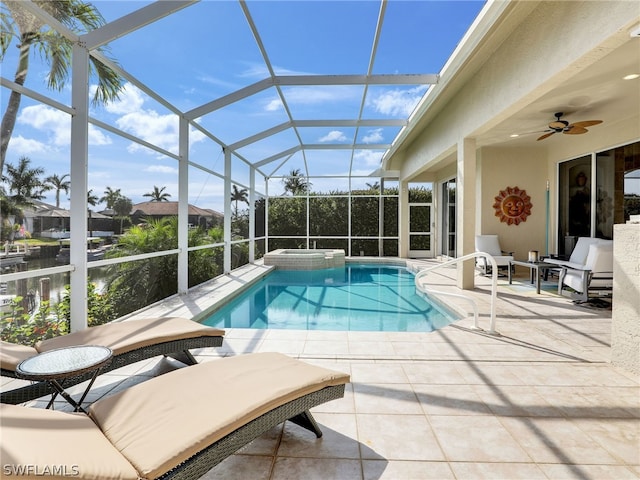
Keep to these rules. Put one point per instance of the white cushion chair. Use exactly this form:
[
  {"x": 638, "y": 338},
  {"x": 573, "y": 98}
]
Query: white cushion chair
[
  {"x": 579, "y": 253},
  {"x": 491, "y": 244},
  {"x": 595, "y": 276}
]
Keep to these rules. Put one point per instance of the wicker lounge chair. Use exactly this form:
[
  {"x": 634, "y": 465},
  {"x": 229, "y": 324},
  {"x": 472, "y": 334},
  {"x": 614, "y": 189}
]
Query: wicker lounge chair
[
  {"x": 131, "y": 341},
  {"x": 177, "y": 425}
]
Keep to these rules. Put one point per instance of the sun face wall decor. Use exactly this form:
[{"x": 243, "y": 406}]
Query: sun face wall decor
[{"x": 512, "y": 206}]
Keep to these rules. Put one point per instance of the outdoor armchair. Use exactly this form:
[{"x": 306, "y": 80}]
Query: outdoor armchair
[
  {"x": 130, "y": 341},
  {"x": 595, "y": 275},
  {"x": 491, "y": 244},
  {"x": 579, "y": 254}
]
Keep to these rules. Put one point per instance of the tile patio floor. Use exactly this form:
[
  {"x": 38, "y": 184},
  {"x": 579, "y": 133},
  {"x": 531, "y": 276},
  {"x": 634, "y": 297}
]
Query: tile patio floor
[{"x": 540, "y": 401}]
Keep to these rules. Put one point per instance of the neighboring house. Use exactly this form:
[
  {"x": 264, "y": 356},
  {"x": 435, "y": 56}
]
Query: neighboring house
[
  {"x": 45, "y": 220},
  {"x": 197, "y": 216}
]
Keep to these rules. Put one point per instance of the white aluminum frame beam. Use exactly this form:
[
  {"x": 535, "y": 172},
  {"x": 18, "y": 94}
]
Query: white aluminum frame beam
[{"x": 134, "y": 21}]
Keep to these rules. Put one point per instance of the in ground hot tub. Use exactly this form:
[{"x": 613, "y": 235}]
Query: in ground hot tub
[{"x": 299, "y": 259}]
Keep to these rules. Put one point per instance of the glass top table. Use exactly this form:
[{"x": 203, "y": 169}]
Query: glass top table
[
  {"x": 535, "y": 270},
  {"x": 57, "y": 365}
]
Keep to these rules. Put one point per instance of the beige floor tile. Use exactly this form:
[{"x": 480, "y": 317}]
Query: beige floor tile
[
  {"x": 287, "y": 346},
  {"x": 406, "y": 470},
  {"x": 241, "y": 467},
  {"x": 476, "y": 438},
  {"x": 450, "y": 400},
  {"x": 556, "y": 441},
  {"x": 434, "y": 373},
  {"x": 386, "y": 398},
  {"x": 515, "y": 401},
  {"x": 326, "y": 347},
  {"x": 593, "y": 402},
  {"x": 497, "y": 471},
  {"x": 371, "y": 348},
  {"x": 488, "y": 374},
  {"x": 588, "y": 472},
  {"x": 378, "y": 373},
  {"x": 316, "y": 469},
  {"x": 397, "y": 437},
  {"x": 621, "y": 438},
  {"x": 339, "y": 438}
]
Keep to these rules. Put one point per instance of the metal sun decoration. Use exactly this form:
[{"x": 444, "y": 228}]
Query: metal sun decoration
[{"x": 512, "y": 206}]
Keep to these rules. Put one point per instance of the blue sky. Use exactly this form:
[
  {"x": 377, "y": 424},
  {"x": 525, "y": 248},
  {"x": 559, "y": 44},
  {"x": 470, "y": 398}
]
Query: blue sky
[{"x": 207, "y": 51}]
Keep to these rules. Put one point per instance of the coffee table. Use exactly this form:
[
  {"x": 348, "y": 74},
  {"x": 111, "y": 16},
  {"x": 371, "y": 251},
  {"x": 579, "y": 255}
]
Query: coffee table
[
  {"x": 54, "y": 366},
  {"x": 536, "y": 269}
]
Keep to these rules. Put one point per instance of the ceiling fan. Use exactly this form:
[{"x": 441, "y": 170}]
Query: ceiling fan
[{"x": 576, "y": 128}]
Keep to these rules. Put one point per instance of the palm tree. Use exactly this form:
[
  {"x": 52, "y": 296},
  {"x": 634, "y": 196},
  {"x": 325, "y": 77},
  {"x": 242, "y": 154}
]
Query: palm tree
[
  {"x": 58, "y": 184},
  {"x": 24, "y": 182},
  {"x": 296, "y": 183},
  {"x": 239, "y": 195},
  {"x": 111, "y": 196},
  {"x": 28, "y": 30},
  {"x": 93, "y": 201},
  {"x": 157, "y": 195}
]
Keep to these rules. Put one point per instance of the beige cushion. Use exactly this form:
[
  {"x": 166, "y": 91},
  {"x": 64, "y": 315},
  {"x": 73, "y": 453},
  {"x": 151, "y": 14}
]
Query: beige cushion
[
  {"x": 11, "y": 355},
  {"x": 122, "y": 337},
  {"x": 162, "y": 422},
  {"x": 48, "y": 442}
]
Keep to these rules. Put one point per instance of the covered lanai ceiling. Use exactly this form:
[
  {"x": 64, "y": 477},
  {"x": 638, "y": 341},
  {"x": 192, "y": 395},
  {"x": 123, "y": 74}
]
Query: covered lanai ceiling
[{"x": 323, "y": 87}]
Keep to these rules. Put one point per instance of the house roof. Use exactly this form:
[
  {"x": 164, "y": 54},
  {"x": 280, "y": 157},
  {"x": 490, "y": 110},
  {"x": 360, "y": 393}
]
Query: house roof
[{"x": 160, "y": 209}]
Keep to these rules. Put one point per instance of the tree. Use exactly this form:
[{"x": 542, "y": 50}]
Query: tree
[
  {"x": 110, "y": 197},
  {"x": 24, "y": 182},
  {"x": 122, "y": 206},
  {"x": 239, "y": 195},
  {"x": 157, "y": 195},
  {"x": 134, "y": 285},
  {"x": 58, "y": 184},
  {"x": 93, "y": 201},
  {"x": 296, "y": 183},
  {"x": 28, "y": 30}
]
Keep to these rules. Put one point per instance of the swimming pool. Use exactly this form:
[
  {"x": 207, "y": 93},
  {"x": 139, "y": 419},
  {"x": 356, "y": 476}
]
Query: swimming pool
[{"x": 360, "y": 297}]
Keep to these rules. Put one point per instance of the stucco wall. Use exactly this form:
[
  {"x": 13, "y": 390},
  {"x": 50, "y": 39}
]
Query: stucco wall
[
  {"x": 625, "y": 325},
  {"x": 527, "y": 170}
]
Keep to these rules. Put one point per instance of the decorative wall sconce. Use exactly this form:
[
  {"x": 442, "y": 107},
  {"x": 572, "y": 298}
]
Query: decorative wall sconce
[{"x": 512, "y": 206}]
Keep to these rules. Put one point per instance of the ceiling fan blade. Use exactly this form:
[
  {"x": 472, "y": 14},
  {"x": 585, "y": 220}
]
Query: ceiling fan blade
[
  {"x": 573, "y": 130},
  {"x": 586, "y": 123},
  {"x": 546, "y": 135}
]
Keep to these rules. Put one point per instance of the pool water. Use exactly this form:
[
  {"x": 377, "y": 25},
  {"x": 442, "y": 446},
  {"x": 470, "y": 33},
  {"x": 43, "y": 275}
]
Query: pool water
[{"x": 353, "y": 297}]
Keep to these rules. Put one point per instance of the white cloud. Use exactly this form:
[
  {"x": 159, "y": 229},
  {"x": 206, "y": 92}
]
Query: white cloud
[
  {"x": 150, "y": 126},
  {"x": 369, "y": 157},
  {"x": 161, "y": 169},
  {"x": 398, "y": 102},
  {"x": 273, "y": 105},
  {"x": 147, "y": 124},
  {"x": 131, "y": 100},
  {"x": 322, "y": 95},
  {"x": 26, "y": 146},
  {"x": 57, "y": 125},
  {"x": 373, "y": 136},
  {"x": 334, "y": 136}
]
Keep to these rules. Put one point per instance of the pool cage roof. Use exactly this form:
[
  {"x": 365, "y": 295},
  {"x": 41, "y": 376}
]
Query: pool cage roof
[{"x": 307, "y": 86}]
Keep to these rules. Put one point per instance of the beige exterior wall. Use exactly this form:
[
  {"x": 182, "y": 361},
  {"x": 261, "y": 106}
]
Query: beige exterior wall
[
  {"x": 527, "y": 170},
  {"x": 625, "y": 325}
]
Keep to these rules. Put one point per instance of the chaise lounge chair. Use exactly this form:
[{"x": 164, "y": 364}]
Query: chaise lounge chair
[
  {"x": 131, "y": 341},
  {"x": 177, "y": 425}
]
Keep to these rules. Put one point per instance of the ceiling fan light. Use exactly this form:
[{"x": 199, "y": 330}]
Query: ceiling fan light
[{"x": 558, "y": 125}]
